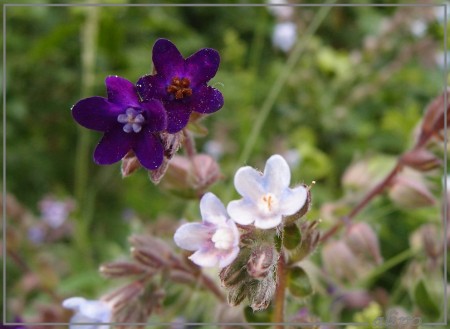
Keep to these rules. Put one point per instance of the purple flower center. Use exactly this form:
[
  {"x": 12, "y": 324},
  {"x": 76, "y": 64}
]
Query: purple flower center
[
  {"x": 132, "y": 120},
  {"x": 180, "y": 87}
]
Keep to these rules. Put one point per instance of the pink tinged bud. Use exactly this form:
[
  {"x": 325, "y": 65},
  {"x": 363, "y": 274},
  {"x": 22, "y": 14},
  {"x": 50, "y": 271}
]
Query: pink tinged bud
[
  {"x": 362, "y": 240},
  {"x": 356, "y": 299},
  {"x": 130, "y": 164},
  {"x": 121, "y": 269},
  {"x": 156, "y": 175},
  {"x": 421, "y": 159},
  {"x": 191, "y": 176},
  {"x": 339, "y": 260},
  {"x": 266, "y": 197},
  {"x": 215, "y": 241},
  {"x": 409, "y": 190},
  {"x": 262, "y": 261}
]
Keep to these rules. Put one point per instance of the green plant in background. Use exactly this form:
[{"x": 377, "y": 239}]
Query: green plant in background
[{"x": 340, "y": 110}]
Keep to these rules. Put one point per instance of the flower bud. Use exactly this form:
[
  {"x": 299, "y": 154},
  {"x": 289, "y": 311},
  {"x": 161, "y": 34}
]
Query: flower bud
[
  {"x": 310, "y": 237},
  {"x": 261, "y": 262},
  {"x": 261, "y": 292},
  {"x": 421, "y": 159},
  {"x": 191, "y": 176},
  {"x": 171, "y": 143},
  {"x": 365, "y": 174},
  {"x": 409, "y": 190},
  {"x": 156, "y": 175},
  {"x": 121, "y": 269},
  {"x": 236, "y": 272},
  {"x": 130, "y": 164},
  {"x": 362, "y": 240},
  {"x": 148, "y": 257},
  {"x": 339, "y": 261},
  {"x": 237, "y": 293}
]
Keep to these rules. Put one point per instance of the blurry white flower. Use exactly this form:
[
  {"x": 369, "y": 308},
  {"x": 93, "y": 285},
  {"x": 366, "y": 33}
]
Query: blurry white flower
[
  {"x": 55, "y": 212},
  {"x": 266, "y": 197},
  {"x": 418, "y": 28},
  {"x": 439, "y": 12},
  {"x": 284, "y": 35},
  {"x": 292, "y": 157},
  {"x": 94, "y": 312},
  {"x": 214, "y": 149},
  {"x": 280, "y": 8},
  {"x": 215, "y": 240}
]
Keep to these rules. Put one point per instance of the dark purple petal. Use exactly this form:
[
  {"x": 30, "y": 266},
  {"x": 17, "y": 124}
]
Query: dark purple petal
[
  {"x": 177, "y": 115},
  {"x": 149, "y": 150},
  {"x": 121, "y": 92},
  {"x": 167, "y": 59},
  {"x": 206, "y": 100},
  {"x": 113, "y": 146},
  {"x": 202, "y": 66},
  {"x": 152, "y": 86},
  {"x": 96, "y": 113},
  {"x": 156, "y": 115}
]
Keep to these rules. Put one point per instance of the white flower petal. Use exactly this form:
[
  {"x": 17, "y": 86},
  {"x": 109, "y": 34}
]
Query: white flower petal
[
  {"x": 230, "y": 223},
  {"x": 205, "y": 258},
  {"x": 73, "y": 303},
  {"x": 227, "y": 258},
  {"x": 268, "y": 222},
  {"x": 193, "y": 236},
  {"x": 96, "y": 310},
  {"x": 249, "y": 183},
  {"x": 277, "y": 175},
  {"x": 293, "y": 200},
  {"x": 212, "y": 209},
  {"x": 242, "y": 211}
]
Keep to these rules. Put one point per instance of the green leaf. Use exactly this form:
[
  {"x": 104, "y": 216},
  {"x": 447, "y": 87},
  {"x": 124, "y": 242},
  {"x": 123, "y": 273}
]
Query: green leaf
[
  {"x": 292, "y": 237},
  {"x": 298, "y": 282},
  {"x": 258, "y": 317},
  {"x": 425, "y": 302}
]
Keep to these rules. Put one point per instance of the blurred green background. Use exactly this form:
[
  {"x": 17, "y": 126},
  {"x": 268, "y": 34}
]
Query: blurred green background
[{"x": 355, "y": 83}]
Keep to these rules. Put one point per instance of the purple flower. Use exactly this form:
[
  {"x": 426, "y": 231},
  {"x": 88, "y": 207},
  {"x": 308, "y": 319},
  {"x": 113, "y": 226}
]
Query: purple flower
[
  {"x": 181, "y": 84},
  {"x": 215, "y": 240},
  {"x": 128, "y": 123}
]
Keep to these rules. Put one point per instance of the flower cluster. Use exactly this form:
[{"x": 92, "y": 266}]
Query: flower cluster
[
  {"x": 240, "y": 239},
  {"x": 137, "y": 118}
]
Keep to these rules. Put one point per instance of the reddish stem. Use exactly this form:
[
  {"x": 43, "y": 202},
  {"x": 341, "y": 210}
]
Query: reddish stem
[
  {"x": 379, "y": 188},
  {"x": 278, "y": 314}
]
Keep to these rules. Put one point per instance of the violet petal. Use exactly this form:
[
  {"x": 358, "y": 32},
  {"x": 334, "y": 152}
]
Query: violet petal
[
  {"x": 242, "y": 211},
  {"x": 202, "y": 66},
  {"x": 206, "y": 257},
  {"x": 96, "y": 113},
  {"x": 149, "y": 150},
  {"x": 156, "y": 115},
  {"x": 167, "y": 60},
  {"x": 277, "y": 175},
  {"x": 121, "y": 92},
  {"x": 152, "y": 86},
  {"x": 206, "y": 99},
  {"x": 113, "y": 147},
  {"x": 177, "y": 115},
  {"x": 228, "y": 257}
]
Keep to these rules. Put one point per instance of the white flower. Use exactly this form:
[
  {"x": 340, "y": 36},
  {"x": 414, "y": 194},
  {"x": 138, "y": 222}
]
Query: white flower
[
  {"x": 284, "y": 36},
  {"x": 280, "y": 8},
  {"x": 215, "y": 240},
  {"x": 94, "y": 312},
  {"x": 266, "y": 197}
]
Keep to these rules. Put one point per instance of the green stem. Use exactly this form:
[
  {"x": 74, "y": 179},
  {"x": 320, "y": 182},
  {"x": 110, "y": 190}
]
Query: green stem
[
  {"x": 89, "y": 35},
  {"x": 278, "y": 86},
  {"x": 387, "y": 265}
]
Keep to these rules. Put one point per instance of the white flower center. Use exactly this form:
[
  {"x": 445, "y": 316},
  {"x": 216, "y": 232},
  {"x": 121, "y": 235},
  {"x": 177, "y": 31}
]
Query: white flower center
[
  {"x": 223, "y": 238},
  {"x": 268, "y": 203},
  {"x": 132, "y": 119}
]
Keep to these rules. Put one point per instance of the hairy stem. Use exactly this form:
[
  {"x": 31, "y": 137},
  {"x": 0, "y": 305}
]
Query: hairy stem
[{"x": 280, "y": 293}]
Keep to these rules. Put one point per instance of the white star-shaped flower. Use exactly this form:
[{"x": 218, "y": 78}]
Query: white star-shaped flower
[
  {"x": 215, "y": 240},
  {"x": 266, "y": 197},
  {"x": 94, "y": 312}
]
